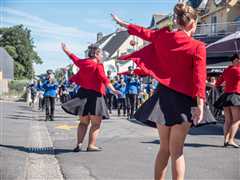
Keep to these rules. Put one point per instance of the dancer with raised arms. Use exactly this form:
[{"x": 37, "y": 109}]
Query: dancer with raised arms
[
  {"x": 89, "y": 103},
  {"x": 178, "y": 62}
]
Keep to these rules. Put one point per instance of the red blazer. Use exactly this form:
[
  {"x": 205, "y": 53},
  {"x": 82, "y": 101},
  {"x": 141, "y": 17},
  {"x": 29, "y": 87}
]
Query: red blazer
[
  {"x": 173, "y": 58},
  {"x": 231, "y": 76},
  {"x": 91, "y": 75}
]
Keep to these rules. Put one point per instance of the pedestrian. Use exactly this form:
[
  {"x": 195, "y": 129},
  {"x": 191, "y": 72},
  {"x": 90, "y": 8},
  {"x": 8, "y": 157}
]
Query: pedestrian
[
  {"x": 178, "y": 62},
  {"x": 28, "y": 94},
  {"x": 109, "y": 97},
  {"x": 50, "y": 87},
  {"x": 33, "y": 93},
  {"x": 40, "y": 92},
  {"x": 230, "y": 100},
  {"x": 213, "y": 94},
  {"x": 121, "y": 99},
  {"x": 64, "y": 92},
  {"x": 132, "y": 90},
  {"x": 89, "y": 103},
  {"x": 141, "y": 95}
]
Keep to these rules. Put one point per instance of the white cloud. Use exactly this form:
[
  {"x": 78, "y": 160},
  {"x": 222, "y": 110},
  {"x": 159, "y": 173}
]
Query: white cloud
[
  {"x": 47, "y": 37},
  {"x": 107, "y": 24},
  {"x": 42, "y": 26},
  {"x": 55, "y": 47}
]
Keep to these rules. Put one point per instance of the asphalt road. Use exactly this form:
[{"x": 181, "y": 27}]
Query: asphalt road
[{"x": 129, "y": 148}]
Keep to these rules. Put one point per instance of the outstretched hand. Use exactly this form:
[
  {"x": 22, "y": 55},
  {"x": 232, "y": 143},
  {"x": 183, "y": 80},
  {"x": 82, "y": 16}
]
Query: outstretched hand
[
  {"x": 119, "y": 21},
  {"x": 197, "y": 114},
  {"x": 63, "y": 46},
  {"x": 116, "y": 92}
]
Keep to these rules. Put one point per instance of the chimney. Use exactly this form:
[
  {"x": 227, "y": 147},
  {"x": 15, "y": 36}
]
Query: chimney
[{"x": 99, "y": 36}]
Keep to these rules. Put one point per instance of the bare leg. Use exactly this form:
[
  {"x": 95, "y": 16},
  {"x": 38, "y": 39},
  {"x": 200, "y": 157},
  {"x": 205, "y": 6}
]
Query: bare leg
[
  {"x": 94, "y": 130},
  {"x": 82, "y": 129},
  {"x": 235, "y": 124},
  {"x": 163, "y": 153},
  {"x": 177, "y": 137},
  {"x": 227, "y": 123}
]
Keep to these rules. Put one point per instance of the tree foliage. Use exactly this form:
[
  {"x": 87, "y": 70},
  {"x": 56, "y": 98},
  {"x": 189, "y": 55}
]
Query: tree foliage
[
  {"x": 59, "y": 74},
  {"x": 18, "y": 43}
]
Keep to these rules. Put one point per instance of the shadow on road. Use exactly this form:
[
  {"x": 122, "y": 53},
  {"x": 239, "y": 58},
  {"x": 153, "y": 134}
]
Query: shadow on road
[
  {"x": 25, "y": 117},
  {"x": 186, "y": 144},
  {"x": 32, "y": 117},
  {"x": 38, "y": 150},
  {"x": 207, "y": 130},
  {"x": 210, "y": 129}
]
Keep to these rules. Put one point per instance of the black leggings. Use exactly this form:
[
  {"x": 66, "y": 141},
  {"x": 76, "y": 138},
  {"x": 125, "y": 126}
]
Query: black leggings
[
  {"x": 109, "y": 101},
  {"x": 131, "y": 104},
  {"x": 50, "y": 104},
  {"x": 121, "y": 104}
]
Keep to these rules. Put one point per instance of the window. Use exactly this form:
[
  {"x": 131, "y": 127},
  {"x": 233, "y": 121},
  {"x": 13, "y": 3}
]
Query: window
[
  {"x": 237, "y": 20},
  {"x": 213, "y": 24}
]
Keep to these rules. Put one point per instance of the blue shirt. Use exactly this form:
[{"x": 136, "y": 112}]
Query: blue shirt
[
  {"x": 133, "y": 85},
  {"x": 39, "y": 87},
  {"x": 50, "y": 90},
  {"x": 122, "y": 89}
]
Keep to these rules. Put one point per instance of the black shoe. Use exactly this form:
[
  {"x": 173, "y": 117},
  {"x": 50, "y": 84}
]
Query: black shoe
[
  {"x": 225, "y": 144},
  {"x": 76, "y": 149},
  {"x": 90, "y": 149},
  {"x": 47, "y": 118}
]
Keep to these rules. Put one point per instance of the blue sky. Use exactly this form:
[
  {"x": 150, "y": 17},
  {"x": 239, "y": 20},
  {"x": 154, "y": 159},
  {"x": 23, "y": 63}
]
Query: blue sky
[{"x": 75, "y": 22}]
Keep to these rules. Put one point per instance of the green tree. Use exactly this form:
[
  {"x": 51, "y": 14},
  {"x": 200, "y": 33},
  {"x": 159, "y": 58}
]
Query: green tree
[
  {"x": 59, "y": 74},
  {"x": 18, "y": 43}
]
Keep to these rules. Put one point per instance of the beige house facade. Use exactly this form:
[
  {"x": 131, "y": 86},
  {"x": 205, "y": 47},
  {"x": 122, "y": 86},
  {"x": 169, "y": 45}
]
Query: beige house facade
[{"x": 220, "y": 17}]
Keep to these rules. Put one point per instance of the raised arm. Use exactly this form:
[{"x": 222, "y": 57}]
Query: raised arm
[
  {"x": 74, "y": 58},
  {"x": 144, "y": 33}
]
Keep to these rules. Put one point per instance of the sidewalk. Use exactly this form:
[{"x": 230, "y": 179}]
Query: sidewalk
[{"x": 26, "y": 150}]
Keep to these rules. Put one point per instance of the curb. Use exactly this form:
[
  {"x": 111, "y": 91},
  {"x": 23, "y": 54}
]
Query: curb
[{"x": 41, "y": 163}]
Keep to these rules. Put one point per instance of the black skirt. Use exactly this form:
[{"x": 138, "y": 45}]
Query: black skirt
[
  {"x": 87, "y": 102},
  {"x": 227, "y": 99},
  {"x": 168, "y": 107}
]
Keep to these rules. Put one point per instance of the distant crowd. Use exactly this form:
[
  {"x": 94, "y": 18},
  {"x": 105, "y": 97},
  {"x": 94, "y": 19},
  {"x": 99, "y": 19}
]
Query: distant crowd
[{"x": 134, "y": 90}]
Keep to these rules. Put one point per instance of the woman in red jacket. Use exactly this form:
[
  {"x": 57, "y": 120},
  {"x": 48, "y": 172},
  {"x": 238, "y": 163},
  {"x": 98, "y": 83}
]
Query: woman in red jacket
[
  {"x": 230, "y": 100},
  {"x": 89, "y": 103},
  {"x": 178, "y": 62}
]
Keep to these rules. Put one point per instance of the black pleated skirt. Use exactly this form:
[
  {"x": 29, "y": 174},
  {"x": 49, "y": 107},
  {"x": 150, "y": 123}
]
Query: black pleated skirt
[
  {"x": 87, "y": 102},
  {"x": 168, "y": 107},
  {"x": 227, "y": 99}
]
